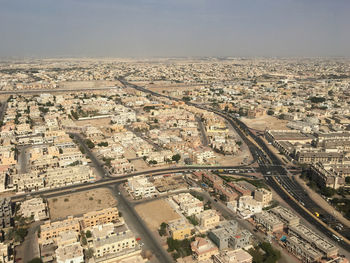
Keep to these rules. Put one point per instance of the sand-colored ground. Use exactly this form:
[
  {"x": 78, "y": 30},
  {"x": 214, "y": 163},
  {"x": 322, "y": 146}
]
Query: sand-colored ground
[
  {"x": 156, "y": 212},
  {"x": 88, "y": 84},
  {"x": 266, "y": 122},
  {"x": 103, "y": 122},
  {"x": 80, "y": 203}
]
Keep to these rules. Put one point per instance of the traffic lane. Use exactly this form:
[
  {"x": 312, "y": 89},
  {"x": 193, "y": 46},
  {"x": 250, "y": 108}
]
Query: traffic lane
[
  {"x": 29, "y": 249},
  {"x": 306, "y": 216},
  {"x": 138, "y": 226},
  {"x": 113, "y": 180},
  {"x": 254, "y": 149},
  {"x": 97, "y": 164}
]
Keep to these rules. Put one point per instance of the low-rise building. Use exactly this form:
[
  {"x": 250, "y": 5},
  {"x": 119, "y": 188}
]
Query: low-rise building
[
  {"x": 4, "y": 253},
  {"x": 227, "y": 235},
  {"x": 302, "y": 250},
  {"x": 208, "y": 219},
  {"x": 203, "y": 249},
  {"x": 72, "y": 253},
  {"x": 233, "y": 256},
  {"x": 49, "y": 231},
  {"x": 269, "y": 221},
  {"x": 5, "y": 212},
  {"x": 35, "y": 207},
  {"x": 141, "y": 187},
  {"x": 116, "y": 245},
  {"x": 263, "y": 195},
  {"x": 179, "y": 229},
  {"x": 104, "y": 216},
  {"x": 188, "y": 204},
  {"x": 306, "y": 234},
  {"x": 248, "y": 206},
  {"x": 285, "y": 215},
  {"x": 326, "y": 177}
]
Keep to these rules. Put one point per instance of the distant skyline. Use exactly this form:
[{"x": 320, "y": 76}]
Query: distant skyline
[{"x": 171, "y": 28}]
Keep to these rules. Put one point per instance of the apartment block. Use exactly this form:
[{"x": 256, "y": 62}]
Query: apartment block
[
  {"x": 326, "y": 177},
  {"x": 263, "y": 195},
  {"x": 323, "y": 157},
  {"x": 208, "y": 219},
  {"x": 188, "y": 204},
  {"x": 141, "y": 187},
  {"x": 104, "y": 216},
  {"x": 53, "y": 178},
  {"x": 285, "y": 215},
  {"x": 49, "y": 231},
  {"x": 114, "y": 245},
  {"x": 306, "y": 234},
  {"x": 303, "y": 250},
  {"x": 269, "y": 221},
  {"x": 227, "y": 235}
]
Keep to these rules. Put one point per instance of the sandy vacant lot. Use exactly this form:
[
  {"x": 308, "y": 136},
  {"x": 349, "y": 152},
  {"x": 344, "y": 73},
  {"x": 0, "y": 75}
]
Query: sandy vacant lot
[
  {"x": 156, "y": 212},
  {"x": 88, "y": 84},
  {"x": 266, "y": 122},
  {"x": 103, "y": 122},
  {"x": 80, "y": 203}
]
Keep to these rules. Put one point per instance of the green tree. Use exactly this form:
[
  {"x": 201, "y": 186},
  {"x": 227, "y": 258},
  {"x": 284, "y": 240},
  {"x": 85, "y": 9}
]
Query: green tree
[
  {"x": 35, "y": 260},
  {"x": 88, "y": 234},
  {"x": 176, "y": 157},
  {"x": 162, "y": 229},
  {"x": 317, "y": 99},
  {"x": 347, "y": 179},
  {"x": 89, "y": 143},
  {"x": 89, "y": 253},
  {"x": 270, "y": 112}
]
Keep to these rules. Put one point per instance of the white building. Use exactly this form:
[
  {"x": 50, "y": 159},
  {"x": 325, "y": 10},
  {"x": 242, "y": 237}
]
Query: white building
[
  {"x": 247, "y": 206},
  {"x": 71, "y": 253},
  {"x": 141, "y": 187}
]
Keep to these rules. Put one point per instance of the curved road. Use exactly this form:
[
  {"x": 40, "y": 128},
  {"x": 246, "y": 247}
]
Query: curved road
[{"x": 269, "y": 163}]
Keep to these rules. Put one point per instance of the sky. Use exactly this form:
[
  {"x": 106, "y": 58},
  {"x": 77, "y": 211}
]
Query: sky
[{"x": 174, "y": 28}]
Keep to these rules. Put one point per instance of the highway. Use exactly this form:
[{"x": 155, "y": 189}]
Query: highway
[
  {"x": 38, "y": 91},
  {"x": 271, "y": 166},
  {"x": 109, "y": 180}
]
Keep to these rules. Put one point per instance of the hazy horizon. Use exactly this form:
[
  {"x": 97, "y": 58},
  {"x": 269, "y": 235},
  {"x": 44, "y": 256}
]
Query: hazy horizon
[{"x": 181, "y": 28}]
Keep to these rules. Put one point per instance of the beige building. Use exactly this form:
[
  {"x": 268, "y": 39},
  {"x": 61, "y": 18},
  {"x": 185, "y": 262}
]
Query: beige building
[
  {"x": 203, "y": 249},
  {"x": 100, "y": 217},
  {"x": 53, "y": 178},
  {"x": 285, "y": 215},
  {"x": 35, "y": 208},
  {"x": 208, "y": 219},
  {"x": 235, "y": 256},
  {"x": 4, "y": 253},
  {"x": 72, "y": 253},
  {"x": 49, "y": 231},
  {"x": 263, "y": 195},
  {"x": 113, "y": 245},
  {"x": 269, "y": 221},
  {"x": 188, "y": 204},
  {"x": 179, "y": 229}
]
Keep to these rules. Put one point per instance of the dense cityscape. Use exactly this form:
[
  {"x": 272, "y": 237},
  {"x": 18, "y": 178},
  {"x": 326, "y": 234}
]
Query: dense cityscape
[{"x": 224, "y": 160}]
